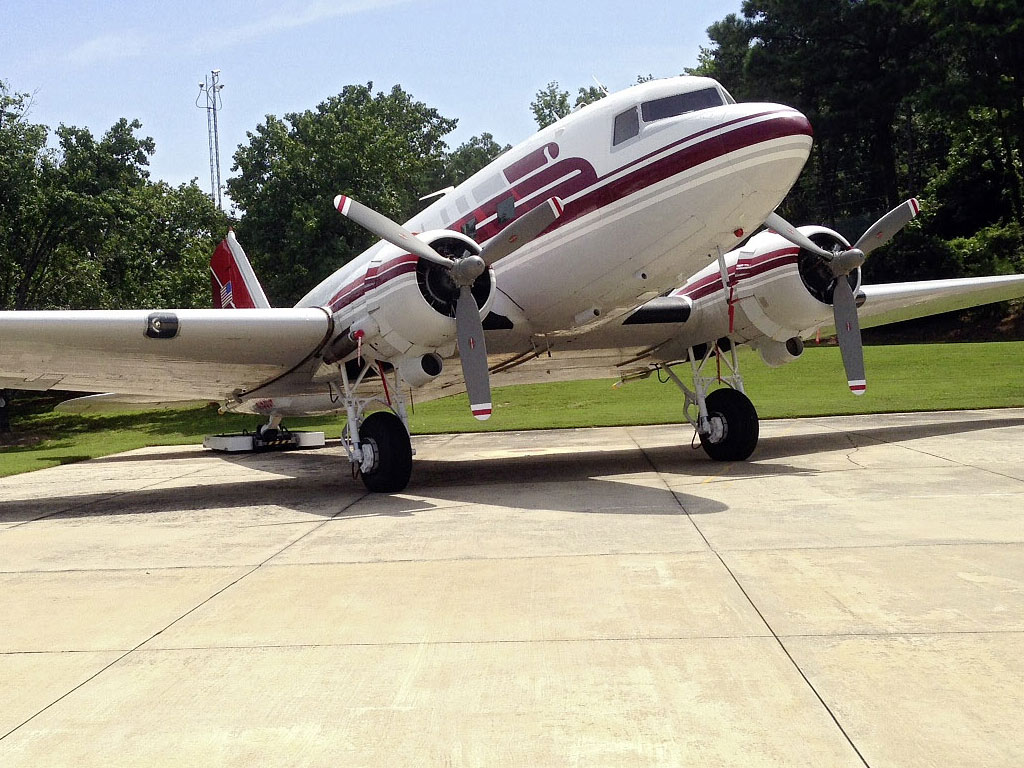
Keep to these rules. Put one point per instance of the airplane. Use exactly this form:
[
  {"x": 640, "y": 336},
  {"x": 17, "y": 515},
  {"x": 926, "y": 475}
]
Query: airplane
[{"x": 615, "y": 242}]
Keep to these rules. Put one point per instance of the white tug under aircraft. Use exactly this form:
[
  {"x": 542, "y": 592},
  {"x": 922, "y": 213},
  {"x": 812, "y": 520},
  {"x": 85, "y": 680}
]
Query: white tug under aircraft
[{"x": 614, "y": 243}]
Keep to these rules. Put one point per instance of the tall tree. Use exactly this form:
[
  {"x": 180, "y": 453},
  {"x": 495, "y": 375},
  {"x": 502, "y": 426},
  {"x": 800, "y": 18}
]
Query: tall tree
[
  {"x": 82, "y": 226},
  {"x": 552, "y": 103},
  {"x": 385, "y": 149},
  {"x": 470, "y": 156}
]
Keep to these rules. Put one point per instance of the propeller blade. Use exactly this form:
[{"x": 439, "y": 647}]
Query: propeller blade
[
  {"x": 473, "y": 354},
  {"x": 522, "y": 230},
  {"x": 883, "y": 230},
  {"x": 795, "y": 236},
  {"x": 386, "y": 229},
  {"x": 844, "y": 307}
]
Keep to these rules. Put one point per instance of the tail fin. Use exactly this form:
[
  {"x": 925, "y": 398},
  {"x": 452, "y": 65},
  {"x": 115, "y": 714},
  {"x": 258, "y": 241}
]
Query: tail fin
[{"x": 232, "y": 280}]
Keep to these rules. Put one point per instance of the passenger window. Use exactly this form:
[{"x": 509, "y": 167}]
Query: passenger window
[
  {"x": 627, "y": 125},
  {"x": 680, "y": 103}
]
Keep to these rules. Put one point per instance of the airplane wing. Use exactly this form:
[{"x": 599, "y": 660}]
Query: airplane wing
[
  {"x": 175, "y": 355},
  {"x": 895, "y": 302},
  {"x": 618, "y": 349}
]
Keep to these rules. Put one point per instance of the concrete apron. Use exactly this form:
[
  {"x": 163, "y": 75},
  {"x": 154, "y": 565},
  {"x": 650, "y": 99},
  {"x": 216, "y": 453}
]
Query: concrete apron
[{"x": 852, "y": 595}]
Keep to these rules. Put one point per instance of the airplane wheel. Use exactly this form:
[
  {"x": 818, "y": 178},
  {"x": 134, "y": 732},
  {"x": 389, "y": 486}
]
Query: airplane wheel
[
  {"x": 739, "y": 423},
  {"x": 385, "y": 435}
]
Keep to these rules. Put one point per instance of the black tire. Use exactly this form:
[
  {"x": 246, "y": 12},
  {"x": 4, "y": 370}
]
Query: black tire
[
  {"x": 741, "y": 427},
  {"x": 392, "y": 465}
]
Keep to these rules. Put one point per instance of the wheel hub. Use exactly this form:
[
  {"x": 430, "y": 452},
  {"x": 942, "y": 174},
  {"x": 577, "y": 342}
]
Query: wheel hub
[
  {"x": 718, "y": 429},
  {"x": 371, "y": 456}
]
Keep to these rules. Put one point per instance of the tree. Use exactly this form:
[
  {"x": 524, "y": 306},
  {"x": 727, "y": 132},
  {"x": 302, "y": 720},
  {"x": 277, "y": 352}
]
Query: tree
[
  {"x": 384, "y": 149},
  {"x": 552, "y": 104},
  {"x": 82, "y": 226},
  {"x": 470, "y": 156},
  {"x": 920, "y": 98}
]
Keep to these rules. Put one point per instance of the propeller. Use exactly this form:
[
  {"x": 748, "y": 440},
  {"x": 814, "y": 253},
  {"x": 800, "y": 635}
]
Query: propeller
[
  {"x": 843, "y": 263},
  {"x": 464, "y": 271}
]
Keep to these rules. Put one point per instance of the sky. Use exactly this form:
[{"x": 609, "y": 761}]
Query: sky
[{"x": 89, "y": 63}]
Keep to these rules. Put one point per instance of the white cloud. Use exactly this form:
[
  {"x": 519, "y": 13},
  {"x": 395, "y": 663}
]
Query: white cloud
[
  {"x": 298, "y": 16},
  {"x": 118, "y": 46},
  {"x": 107, "y": 48}
]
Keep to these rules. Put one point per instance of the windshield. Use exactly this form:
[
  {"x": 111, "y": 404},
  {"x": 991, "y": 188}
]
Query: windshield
[{"x": 680, "y": 103}]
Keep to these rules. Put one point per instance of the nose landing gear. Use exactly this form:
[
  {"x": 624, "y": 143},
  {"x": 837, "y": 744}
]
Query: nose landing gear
[{"x": 725, "y": 419}]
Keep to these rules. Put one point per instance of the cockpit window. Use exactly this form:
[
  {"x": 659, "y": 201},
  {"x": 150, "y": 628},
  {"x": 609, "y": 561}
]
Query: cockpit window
[
  {"x": 627, "y": 125},
  {"x": 680, "y": 103}
]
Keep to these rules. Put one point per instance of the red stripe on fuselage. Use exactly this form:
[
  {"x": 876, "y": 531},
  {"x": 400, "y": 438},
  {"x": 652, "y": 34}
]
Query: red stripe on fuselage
[
  {"x": 742, "y": 270},
  {"x": 576, "y": 175}
]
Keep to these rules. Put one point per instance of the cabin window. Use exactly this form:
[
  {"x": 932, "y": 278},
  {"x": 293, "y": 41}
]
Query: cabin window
[
  {"x": 680, "y": 103},
  {"x": 488, "y": 189},
  {"x": 627, "y": 125}
]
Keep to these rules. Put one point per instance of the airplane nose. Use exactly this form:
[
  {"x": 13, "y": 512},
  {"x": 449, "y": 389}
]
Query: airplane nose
[
  {"x": 758, "y": 123},
  {"x": 769, "y": 145}
]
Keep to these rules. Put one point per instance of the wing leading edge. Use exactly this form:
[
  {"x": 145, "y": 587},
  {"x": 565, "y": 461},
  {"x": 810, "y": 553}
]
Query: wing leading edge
[
  {"x": 184, "y": 354},
  {"x": 895, "y": 302}
]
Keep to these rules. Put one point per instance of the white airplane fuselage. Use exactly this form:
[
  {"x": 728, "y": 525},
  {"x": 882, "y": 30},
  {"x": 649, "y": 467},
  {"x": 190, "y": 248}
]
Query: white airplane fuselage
[{"x": 640, "y": 217}]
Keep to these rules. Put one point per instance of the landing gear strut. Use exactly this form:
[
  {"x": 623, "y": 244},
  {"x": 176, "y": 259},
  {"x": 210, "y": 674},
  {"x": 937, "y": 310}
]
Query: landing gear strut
[
  {"x": 725, "y": 419},
  {"x": 378, "y": 444}
]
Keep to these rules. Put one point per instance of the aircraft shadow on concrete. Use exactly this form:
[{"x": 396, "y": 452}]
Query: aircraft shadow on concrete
[{"x": 319, "y": 482}]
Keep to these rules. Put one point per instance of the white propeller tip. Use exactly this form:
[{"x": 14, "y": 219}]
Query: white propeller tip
[
  {"x": 482, "y": 412},
  {"x": 342, "y": 203},
  {"x": 858, "y": 387}
]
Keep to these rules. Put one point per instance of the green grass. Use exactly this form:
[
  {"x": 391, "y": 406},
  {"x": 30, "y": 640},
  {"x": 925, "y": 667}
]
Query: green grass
[{"x": 900, "y": 378}]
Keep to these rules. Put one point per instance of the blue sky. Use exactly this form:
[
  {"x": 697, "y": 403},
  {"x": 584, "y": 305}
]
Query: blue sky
[{"x": 91, "y": 62}]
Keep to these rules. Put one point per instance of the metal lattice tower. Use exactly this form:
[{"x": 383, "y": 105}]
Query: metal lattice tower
[{"x": 211, "y": 88}]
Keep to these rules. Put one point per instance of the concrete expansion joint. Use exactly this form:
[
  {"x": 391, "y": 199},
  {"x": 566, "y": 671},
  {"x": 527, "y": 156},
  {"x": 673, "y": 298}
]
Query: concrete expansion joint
[
  {"x": 779, "y": 639},
  {"x": 907, "y": 633}
]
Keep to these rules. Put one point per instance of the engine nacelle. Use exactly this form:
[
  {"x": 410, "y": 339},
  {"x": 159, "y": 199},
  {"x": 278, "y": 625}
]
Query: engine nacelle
[
  {"x": 778, "y": 353},
  {"x": 783, "y": 290},
  {"x": 410, "y": 302}
]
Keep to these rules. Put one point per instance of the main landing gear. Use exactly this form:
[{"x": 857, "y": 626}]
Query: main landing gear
[
  {"x": 377, "y": 444},
  {"x": 725, "y": 419}
]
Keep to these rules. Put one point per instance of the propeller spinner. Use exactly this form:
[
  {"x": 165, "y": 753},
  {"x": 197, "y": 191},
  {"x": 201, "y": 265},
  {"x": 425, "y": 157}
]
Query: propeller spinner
[
  {"x": 464, "y": 271},
  {"x": 842, "y": 264}
]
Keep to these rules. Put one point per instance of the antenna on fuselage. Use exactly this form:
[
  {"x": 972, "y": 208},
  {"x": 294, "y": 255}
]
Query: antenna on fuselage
[{"x": 600, "y": 85}]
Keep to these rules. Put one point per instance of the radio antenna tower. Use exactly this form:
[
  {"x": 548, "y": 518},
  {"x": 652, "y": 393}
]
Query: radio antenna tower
[{"x": 211, "y": 88}]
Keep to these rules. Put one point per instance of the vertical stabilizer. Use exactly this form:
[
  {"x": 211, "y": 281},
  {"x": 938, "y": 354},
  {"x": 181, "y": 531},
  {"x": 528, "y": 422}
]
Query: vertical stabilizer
[{"x": 233, "y": 282}]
